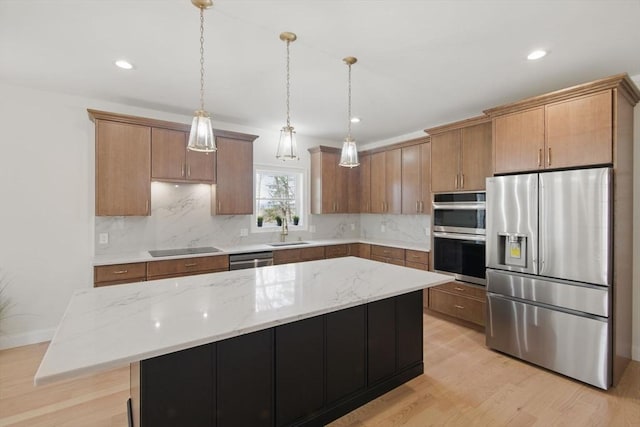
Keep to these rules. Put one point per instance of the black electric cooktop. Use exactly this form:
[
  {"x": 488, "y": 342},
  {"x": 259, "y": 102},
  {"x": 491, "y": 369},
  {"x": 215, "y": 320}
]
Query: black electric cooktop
[{"x": 183, "y": 251}]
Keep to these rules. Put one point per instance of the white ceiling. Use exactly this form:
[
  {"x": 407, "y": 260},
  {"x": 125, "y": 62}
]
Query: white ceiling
[{"x": 421, "y": 63}]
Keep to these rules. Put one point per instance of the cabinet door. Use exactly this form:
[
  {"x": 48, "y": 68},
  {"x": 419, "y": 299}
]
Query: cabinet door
[
  {"x": 425, "y": 178},
  {"x": 167, "y": 154},
  {"x": 123, "y": 169},
  {"x": 411, "y": 175},
  {"x": 200, "y": 166},
  {"x": 353, "y": 185},
  {"x": 341, "y": 189},
  {"x": 299, "y": 361},
  {"x": 244, "y": 372},
  {"x": 393, "y": 178},
  {"x": 475, "y": 157},
  {"x": 345, "y": 350},
  {"x": 328, "y": 177},
  {"x": 177, "y": 389},
  {"x": 378, "y": 186},
  {"x": 518, "y": 141},
  {"x": 409, "y": 318},
  {"x": 579, "y": 131},
  {"x": 445, "y": 156},
  {"x": 233, "y": 192},
  {"x": 365, "y": 184},
  {"x": 381, "y": 329}
]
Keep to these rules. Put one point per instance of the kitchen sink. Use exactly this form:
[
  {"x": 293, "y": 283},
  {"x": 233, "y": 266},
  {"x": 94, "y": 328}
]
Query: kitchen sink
[
  {"x": 288, "y": 244},
  {"x": 184, "y": 251}
]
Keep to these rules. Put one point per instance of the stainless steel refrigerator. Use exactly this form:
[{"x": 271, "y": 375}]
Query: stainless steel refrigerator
[{"x": 549, "y": 270}]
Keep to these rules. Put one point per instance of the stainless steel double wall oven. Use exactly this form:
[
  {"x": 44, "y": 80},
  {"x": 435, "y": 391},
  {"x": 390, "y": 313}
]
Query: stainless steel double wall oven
[{"x": 459, "y": 235}]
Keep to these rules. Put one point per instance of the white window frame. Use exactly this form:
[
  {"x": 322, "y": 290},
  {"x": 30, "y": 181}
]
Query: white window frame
[{"x": 301, "y": 197}]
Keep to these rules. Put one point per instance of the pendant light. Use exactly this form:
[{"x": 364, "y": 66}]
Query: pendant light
[
  {"x": 287, "y": 149},
  {"x": 349, "y": 155},
  {"x": 201, "y": 136}
]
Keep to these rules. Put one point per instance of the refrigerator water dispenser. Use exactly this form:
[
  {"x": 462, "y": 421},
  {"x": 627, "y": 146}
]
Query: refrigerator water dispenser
[{"x": 514, "y": 249}]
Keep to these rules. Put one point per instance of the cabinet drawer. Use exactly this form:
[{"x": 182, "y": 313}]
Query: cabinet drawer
[
  {"x": 461, "y": 307},
  {"x": 421, "y": 257},
  {"x": 310, "y": 254},
  {"x": 388, "y": 260},
  {"x": 364, "y": 250},
  {"x": 187, "y": 265},
  {"x": 285, "y": 256},
  {"x": 463, "y": 289},
  {"x": 336, "y": 251},
  {"x": 121, "y": 273},
  {"x": 416, "y": 265},
  {"x": 387, "y": 252}
]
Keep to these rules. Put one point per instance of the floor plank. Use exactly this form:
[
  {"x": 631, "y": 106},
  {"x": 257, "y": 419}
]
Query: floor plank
[{"x": 464, "y": 384}]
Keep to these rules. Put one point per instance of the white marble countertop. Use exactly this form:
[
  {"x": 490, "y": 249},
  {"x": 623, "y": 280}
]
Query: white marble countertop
[
  {"x": 124, "y": 258},
  {"x": 110, "y": 327}
]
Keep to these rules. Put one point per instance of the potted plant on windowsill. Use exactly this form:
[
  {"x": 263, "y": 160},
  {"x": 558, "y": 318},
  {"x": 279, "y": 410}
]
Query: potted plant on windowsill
[
  {"x": 296, "y": 219},
  {"x": 260, "y": 220},
  {"x": 279, "y": 220}
]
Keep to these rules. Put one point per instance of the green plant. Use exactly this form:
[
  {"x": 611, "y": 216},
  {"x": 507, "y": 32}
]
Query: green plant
[
  {"x": 278, "y": 219},
  {"x": 296, "y": 219},
  {"x": 260, "y": 220}
]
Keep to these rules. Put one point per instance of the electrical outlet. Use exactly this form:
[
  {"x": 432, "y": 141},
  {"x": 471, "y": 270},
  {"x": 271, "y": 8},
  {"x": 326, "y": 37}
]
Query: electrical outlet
[
  {"x": 103, "y": 238},
  {"x": 353, "y": 227},
  {"x": 312, "y": 228},
  {"x": 383, "y": 228},
  {"x": 426, "y": 231},
  {"x": 244, "y": 232}
]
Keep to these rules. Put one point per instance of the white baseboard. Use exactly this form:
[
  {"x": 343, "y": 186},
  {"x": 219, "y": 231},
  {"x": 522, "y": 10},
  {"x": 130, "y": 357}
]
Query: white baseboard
[{"x": 18, "y": 340}]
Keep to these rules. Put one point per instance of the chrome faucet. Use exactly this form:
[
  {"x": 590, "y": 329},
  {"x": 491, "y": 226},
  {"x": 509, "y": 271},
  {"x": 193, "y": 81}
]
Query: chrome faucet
[{"x": 285, "y": 229}]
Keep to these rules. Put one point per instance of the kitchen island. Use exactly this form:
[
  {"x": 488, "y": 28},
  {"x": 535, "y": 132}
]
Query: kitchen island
[{"x": 292, "y": 344}]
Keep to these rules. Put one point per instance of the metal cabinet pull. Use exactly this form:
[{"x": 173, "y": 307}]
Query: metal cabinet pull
[
  {"x": 540, "y": 157},
  {"x": 189, "y": 171},
  {"x": 191, "y": 264},
  {"x": 461, "y": 180},
  {"x": 457, "y": 288},
  {"x": 120, "y": 271},
  {"x": 549, "y": 157},
  {"x": 459, "y": 307},
  {"x": 456, "y": 181},
  {"x": 182, "y": 170},
  {"x": 417, "y": 206}
]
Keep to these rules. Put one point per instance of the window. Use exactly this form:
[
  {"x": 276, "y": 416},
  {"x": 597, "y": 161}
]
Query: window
[{"x": 279, "y": 195}]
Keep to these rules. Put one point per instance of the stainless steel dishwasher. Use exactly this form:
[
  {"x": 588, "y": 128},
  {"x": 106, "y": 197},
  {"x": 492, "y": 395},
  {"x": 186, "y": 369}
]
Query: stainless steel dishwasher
[{"x": 250, "y": 260}]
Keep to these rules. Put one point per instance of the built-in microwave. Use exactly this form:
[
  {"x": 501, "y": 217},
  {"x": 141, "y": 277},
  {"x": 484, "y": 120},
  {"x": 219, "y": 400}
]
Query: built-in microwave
[{"x": 459, "y": 235}]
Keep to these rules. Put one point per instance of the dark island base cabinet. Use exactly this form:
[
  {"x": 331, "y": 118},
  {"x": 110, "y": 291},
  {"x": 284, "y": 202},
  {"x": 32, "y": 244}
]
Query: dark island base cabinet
[{"x": 305, "y": 373}]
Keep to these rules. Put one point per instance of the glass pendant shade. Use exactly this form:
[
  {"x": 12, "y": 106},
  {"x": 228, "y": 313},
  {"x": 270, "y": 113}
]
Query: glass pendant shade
[
  {"x": 201, "y": 136},
  {"x": 349, "y": 155},
  {"x": 287, "y": 149}
]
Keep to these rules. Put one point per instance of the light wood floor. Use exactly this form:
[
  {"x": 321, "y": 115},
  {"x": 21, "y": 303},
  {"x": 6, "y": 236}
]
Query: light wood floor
[{"x": 464, "y": 384}]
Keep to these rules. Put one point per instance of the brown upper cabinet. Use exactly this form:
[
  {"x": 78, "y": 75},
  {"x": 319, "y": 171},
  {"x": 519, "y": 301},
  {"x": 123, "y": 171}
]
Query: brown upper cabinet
[
  {"x": 123, "y": 169},
  {"x": 461, "y": 155},
  {"x": 386, "y": 181},
  {"x": 365, "y": 182},
  {"x": 416, "y": 177},
  {"x": 172, "y": 161},
  {"x": 334, "y": 189},
  {"x": 132, "y": 150},
  {"x": 233, "y": 192},
  {"x": 573, "y": 127}
]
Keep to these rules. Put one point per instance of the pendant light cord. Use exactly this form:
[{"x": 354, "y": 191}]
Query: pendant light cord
[
  {"x": 288, "y": 77},
  {"x": 202, "y": 59},
  {"x": 349, "y": 112}
]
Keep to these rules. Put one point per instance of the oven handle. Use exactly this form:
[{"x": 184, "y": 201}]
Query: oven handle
[
  {"x": 460, "y": 206},
  {"x": 458, "y": 236}
]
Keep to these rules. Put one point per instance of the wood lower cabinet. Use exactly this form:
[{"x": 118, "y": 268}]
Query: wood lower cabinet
[
  {"x": 286, "y": 256},
  {"x": 105, "y": 275},
  {"x": 416, "y": 259},
  {"x": 459, "y": 300},
  {"x": 388, "y": 254},
  {"x": 233, "y": 192},
  {"x": 187, "y": 266},
  {"x": 172, "y": 161},
  {"x": 364, "y": 250},
  {"x": 336, "y": 251},
  {"x": 306, "y": 373},
  {"x": 123, "y": 169},
  {"x": 461, "y": 155}
]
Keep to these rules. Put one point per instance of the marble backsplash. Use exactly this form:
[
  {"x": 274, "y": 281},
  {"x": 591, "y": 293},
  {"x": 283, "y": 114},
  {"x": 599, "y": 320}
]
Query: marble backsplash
[
  {"x": 181, "y": 217},
  {"x": 406, "y": 228}
]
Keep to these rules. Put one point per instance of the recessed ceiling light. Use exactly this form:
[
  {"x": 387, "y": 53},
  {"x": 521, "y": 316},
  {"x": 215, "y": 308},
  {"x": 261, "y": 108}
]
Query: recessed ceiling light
[
  {"x": 536, "y": 54},
  {"x": 355, "y": 120},
  {"x": 125, "y": 65}
]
